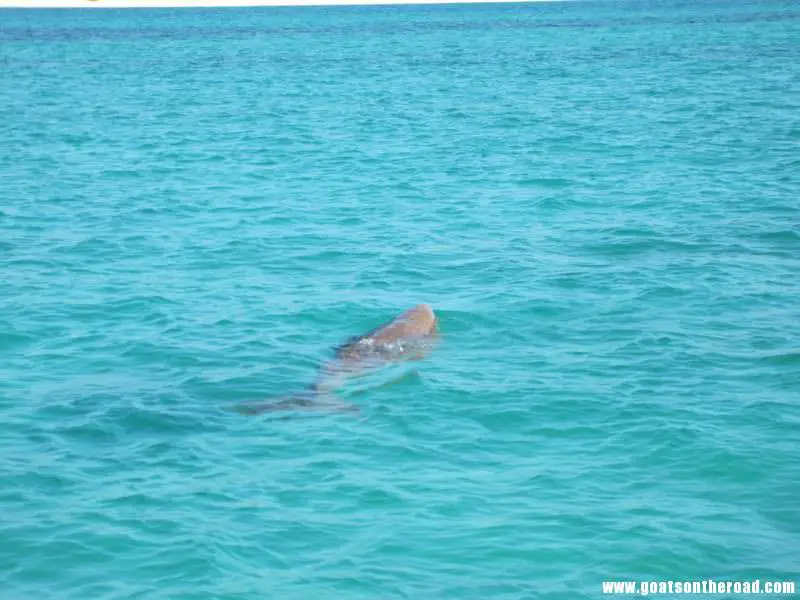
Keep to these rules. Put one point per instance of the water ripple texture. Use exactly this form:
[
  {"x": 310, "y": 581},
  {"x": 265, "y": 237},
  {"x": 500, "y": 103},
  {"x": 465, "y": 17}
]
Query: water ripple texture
[{"x": 600, "y": 199}]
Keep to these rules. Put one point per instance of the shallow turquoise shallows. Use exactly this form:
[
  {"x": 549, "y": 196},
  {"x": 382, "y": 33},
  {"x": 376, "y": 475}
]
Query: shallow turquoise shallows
[{"x": 601, "y": 200}]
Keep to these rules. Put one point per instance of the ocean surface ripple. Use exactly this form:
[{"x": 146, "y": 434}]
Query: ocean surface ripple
[{"x": 600, "y": 199}]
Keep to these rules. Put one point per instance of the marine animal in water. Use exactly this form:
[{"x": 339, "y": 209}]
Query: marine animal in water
[{"x": 409, "y": 336}]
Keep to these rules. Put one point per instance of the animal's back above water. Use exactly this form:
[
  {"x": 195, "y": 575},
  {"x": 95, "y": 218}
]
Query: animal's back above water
[
  {"x": 408, "y": 336},
  {"x": 404, "y": 334}
]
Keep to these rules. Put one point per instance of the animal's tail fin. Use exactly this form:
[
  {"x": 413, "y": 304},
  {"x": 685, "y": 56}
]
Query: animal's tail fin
[{"x": 253, "y": 408}]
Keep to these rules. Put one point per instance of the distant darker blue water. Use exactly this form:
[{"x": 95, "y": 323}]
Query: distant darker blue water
[{"x": 600, "y": 199}]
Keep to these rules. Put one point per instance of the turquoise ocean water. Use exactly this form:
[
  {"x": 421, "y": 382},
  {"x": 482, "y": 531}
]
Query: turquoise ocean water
[{"x": 600, "y": 199}]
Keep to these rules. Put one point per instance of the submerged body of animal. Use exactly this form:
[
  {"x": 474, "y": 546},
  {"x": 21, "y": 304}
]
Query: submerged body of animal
[{"x": 409, "y": 336}]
